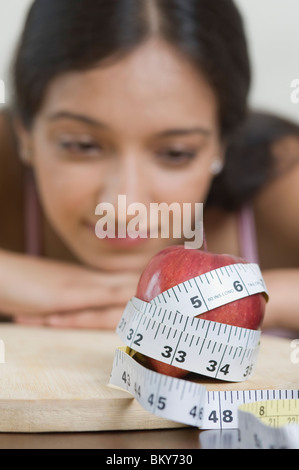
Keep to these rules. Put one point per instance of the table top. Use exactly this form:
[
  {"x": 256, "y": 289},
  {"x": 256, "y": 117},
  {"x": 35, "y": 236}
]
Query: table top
[
  {"x": 103, "y": 440},
  {"x": 184, "y": 438},
  {"x": 21, "y": 352}
]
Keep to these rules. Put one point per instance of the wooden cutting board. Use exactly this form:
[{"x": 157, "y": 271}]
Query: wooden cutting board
[{"x": 56, "y": 380}]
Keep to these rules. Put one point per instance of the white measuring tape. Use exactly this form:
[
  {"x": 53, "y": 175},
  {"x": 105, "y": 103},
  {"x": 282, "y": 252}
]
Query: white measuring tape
[
  {"x": 272, "y": 424},
  {"x": 160, "y": 330},
  {"x": 166, "y": 329},
  {"x": 191, "y": 404}
]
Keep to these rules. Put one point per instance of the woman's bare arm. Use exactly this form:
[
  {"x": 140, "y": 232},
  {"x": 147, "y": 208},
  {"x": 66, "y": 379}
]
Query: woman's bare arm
[
  {"x": 282, "y": 310},
  {"x": 38, "y": 291}
]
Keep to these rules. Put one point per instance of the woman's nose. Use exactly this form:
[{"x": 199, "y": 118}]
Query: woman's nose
[{"x": 126, "y": 177}]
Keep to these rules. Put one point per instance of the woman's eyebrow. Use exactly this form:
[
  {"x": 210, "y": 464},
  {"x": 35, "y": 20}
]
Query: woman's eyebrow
[
  {"x": 96, "y": 123},
  {"x": 187, "y": 131},
  {"x": 76, "y": 117}
]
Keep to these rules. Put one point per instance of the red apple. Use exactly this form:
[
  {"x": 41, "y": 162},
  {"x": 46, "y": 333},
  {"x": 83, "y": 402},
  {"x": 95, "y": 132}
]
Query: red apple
[{"x": 177, "y": 264}]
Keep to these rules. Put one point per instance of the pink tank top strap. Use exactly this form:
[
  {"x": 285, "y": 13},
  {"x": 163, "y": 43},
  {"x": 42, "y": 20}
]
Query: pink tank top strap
[
  {"x": 33, "y": 220},
  {"x": 249, "y": 251},
  {"x": 247, "y": 234}
]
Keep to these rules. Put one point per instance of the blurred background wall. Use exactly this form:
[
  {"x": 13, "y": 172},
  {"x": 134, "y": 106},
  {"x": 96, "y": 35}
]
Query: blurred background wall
[{"x": 272, "y": 28}]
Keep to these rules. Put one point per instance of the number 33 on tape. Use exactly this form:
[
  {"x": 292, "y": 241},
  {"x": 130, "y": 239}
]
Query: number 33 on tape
[
  {"x": 159, "y": 330},
  {"x": 201, "y": 346}
]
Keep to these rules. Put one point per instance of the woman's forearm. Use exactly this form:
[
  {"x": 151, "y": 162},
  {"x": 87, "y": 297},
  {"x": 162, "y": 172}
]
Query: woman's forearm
[
  {"x": 282, "y": 310},
  {"x": 42, "y": 291}
]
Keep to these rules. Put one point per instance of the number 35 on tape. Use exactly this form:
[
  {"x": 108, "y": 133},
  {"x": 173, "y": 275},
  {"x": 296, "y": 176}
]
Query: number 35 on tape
[
  {"x": 200, "y": 346},
  {"x": 167, "y": 329}
]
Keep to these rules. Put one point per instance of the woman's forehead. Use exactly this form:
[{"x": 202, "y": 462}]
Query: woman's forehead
[{"x": 153, "y": 81}]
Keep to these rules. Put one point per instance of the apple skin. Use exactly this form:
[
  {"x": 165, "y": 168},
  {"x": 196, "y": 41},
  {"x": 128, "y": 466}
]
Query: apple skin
[{"x": 176, "y": 264}]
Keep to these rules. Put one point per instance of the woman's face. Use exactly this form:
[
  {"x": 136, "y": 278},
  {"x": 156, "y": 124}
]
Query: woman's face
[{"x": 145, "y": 127}]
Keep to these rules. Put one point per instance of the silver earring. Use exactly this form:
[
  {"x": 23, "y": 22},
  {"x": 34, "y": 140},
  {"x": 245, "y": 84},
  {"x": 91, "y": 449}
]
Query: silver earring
[
  {"x": 26, "y": 155},
  {"x": 216, "y": 167}
]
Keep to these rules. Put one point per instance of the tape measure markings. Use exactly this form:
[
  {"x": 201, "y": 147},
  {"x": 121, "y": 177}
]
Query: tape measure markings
[
  {"x": 174, "y": 347},
  {"x": 219, "y": 351},
  {"x": 195, "y": 281},
  {"x": 175, "y": 399},
  {"x": 274, "y": 413},
  {"x": 167, "y": 329},
  {"x": 248, "y": 281},
  {"x": 260, "y": 426},
  {"x": 240, "y": 277},
  {"x": 191, "y": 324},
  {"x": 159, "y": 394},
  {"x": 229, "y": 401}
]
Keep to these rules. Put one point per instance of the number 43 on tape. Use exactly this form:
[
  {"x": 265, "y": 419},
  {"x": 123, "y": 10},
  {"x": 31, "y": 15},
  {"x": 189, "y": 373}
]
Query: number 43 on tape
[{"x": 185, "y": 401}]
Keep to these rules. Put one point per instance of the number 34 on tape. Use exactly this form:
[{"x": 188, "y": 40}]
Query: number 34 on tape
[
  {"x": 201, "y": 346},
  {"x": 160, "y": 330},
  {"x": 167, "y": 328}
]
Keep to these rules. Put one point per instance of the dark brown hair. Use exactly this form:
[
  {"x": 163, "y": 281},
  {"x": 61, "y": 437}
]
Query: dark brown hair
[
  {"x": 68, "y": 35},
  {"x": 251, "y": 161}
]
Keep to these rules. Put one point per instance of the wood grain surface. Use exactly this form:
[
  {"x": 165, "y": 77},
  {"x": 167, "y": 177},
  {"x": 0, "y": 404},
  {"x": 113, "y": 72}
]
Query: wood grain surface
[{"x": 57, "y": 381}]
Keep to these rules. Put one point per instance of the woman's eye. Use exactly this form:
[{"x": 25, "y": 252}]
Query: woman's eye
[
  {"x": 77, "y": 147},
  {"x": 175, "y": 156}
]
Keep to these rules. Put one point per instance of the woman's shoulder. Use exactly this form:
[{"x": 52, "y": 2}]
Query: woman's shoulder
[
  {"x": 276, "y": 208},
  {"x": 11, "y": 186}
]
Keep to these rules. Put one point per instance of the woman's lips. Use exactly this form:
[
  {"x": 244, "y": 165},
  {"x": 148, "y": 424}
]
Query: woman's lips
[{"x": 121, "y": 241}]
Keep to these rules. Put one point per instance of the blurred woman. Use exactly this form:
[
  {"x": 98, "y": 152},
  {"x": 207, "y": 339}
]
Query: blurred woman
[{"x": 146, "y": 99}]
